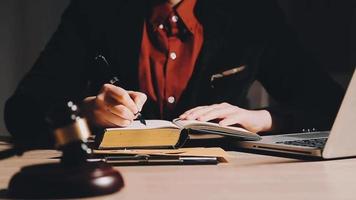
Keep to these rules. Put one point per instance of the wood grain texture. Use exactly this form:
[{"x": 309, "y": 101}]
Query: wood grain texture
[{"x": 247, "y": 176}]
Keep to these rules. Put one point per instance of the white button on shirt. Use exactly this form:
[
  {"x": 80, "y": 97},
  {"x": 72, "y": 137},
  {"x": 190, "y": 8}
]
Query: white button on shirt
[
  {"x": 171, "y": 99},
  {"x": 173, "y": 55},
  {"x": 175, "y": 18},
  {"x": 161, "y": 26}
]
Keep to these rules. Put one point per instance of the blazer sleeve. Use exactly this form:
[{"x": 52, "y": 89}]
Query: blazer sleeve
[
  {"x": 307, "y": 96},
  {"x": 58, "y": 75}
]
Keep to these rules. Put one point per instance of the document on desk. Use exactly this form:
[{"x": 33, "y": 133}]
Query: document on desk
[{"x": 221, "y": 155}]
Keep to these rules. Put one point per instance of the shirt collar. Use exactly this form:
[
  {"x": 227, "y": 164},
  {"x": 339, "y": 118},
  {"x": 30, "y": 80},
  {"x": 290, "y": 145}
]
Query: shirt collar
[{"x": 185, "y": 11}]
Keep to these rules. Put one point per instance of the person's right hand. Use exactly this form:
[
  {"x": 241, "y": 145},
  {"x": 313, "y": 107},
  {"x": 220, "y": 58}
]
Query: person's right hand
[{"x": 113, "y": 107}]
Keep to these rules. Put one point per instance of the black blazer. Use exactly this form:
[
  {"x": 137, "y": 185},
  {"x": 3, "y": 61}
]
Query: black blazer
[{"x": 236, "y": 33}]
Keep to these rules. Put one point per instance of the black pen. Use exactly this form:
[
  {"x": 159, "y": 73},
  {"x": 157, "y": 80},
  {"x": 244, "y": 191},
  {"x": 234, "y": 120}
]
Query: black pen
[{"x": 115, "y": 81}]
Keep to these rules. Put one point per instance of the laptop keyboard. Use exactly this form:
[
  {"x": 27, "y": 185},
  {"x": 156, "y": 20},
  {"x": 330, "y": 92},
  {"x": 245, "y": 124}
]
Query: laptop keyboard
[{"x": 316, "y": 143}]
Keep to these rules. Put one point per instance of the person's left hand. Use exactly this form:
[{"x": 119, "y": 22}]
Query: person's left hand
[{"x": 227, "y": 114}]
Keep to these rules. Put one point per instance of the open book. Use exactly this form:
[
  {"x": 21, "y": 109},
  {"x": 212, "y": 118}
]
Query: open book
[{"x": 166, "y": 134}]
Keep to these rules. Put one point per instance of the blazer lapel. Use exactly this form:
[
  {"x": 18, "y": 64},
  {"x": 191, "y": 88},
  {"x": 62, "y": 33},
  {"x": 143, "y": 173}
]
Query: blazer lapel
[{"x": 214, "y": 22}]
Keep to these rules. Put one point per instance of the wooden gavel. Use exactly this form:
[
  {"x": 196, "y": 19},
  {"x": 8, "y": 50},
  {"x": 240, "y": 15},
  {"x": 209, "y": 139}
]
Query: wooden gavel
[{"x": 74, "y": 176}]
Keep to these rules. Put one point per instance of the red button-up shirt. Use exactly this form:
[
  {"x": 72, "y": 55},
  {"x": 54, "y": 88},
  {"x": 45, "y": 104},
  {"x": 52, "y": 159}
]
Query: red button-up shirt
[{"x": 171, "y": 42}]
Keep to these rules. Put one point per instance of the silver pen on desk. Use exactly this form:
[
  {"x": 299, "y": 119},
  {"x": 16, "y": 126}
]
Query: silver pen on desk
[
  {"x": 115, "y": 81},
  {"x": 160, "y": 160}
]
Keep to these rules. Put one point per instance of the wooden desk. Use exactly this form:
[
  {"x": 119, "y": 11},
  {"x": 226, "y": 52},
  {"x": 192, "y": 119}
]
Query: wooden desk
[{"x": 247, "y": 176}]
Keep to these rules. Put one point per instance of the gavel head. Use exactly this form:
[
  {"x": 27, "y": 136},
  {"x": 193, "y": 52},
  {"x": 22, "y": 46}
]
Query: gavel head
[
  {"x": 71, "y": 133},
  {"x": 74, "y": 177}
]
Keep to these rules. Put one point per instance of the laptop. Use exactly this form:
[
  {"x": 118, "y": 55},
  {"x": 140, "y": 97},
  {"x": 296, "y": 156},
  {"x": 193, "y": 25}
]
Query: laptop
[{"x": 340, "y": 142}]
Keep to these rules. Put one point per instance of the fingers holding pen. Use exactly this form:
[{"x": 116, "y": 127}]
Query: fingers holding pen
[
  {"x": 139, "y": 98},
  {"x": 106, "y": 118},
  {"x": 113, "y": 106},
  {"x": 122, "y": 112},
  {"x": 99, "y": 114},
  {"x": 124, "y": 104},
  {"x": 113, "y": 96}
]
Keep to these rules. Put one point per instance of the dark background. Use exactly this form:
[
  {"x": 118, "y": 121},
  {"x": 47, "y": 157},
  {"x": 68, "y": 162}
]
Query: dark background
[{"x": 327, "y": 29}]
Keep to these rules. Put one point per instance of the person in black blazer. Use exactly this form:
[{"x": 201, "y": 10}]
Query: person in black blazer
[{"x": 248, "y": 36}]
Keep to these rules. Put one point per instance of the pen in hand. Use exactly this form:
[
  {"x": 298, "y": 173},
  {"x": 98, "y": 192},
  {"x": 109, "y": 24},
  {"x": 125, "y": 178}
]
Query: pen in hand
[{"x": 115, "y": 81}]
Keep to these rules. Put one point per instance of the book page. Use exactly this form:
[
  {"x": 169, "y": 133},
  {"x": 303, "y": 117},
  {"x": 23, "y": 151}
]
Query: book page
[
  {"x": 201, "y": 125},
  {"x": 215, "y": 128},
  {"x": 151, "y": 124}
]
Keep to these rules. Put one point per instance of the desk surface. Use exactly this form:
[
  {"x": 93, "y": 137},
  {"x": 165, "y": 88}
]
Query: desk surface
[{"x": 247, "y": 176}]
